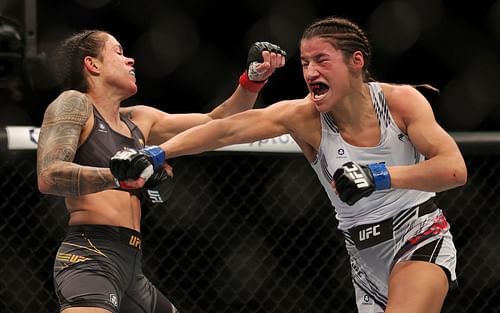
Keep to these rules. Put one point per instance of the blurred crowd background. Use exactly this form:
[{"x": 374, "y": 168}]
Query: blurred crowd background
[{"x": 189, "y": 54}]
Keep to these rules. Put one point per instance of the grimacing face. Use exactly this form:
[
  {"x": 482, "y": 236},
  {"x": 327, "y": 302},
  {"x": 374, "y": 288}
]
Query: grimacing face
[
  {"x": 325, "y": 72},
  {"x": 117, "y": 69}
]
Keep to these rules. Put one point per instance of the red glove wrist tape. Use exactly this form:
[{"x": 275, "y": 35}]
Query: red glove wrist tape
[{"x": 250, "y": 85}]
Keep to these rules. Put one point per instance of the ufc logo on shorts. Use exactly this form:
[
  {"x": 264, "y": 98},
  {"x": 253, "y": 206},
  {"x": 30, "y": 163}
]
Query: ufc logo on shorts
[
  {"x": 357, "y": 176},
  {"x": 369, "y": 235},
  {"x": 366, "y": 233},
  {"x": 154, "y": 196},
  {"x": 135, "y": 241}
]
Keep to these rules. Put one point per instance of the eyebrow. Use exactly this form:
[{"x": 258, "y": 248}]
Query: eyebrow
[
  {"x": 314, "y": 56},
  {"x": 119, "y": 47}
]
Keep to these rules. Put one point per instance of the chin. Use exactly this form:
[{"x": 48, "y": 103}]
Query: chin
[
  {"x": 321, "y": 103},
  {"x": 133, "y": 89},
  {"x": 322, "y": 108}
]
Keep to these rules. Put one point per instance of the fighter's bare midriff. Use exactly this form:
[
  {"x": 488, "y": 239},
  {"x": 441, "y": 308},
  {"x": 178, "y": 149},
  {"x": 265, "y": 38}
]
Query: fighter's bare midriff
[{"x": 109, "y": 207}]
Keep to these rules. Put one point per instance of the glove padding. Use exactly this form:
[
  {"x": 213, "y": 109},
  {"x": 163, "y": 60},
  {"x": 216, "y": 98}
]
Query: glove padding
[
  {"x": 255, "y": 57},
  {"x": 354, "y": 181},
  {"x": 131, "y": 164},
  {"x": 158, "y": 188}
]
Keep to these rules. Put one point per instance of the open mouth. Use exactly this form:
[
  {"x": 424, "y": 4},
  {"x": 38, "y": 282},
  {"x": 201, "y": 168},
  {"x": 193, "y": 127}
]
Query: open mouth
[{"x": 319, "y": 90}]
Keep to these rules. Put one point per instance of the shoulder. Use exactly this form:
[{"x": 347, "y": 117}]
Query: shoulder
[
  {"x": 134, "y": 109},
  {"x": 301, "y": 118},
  {"x": 73, "y": 96},
  {"x": 73, "y": 93},
  {"x": 295, "y": 107},
  {"x": 71, "y": 103},
  {"x": 300, "y": 103},
  {"x": 70, "y": 114},
  {"x": 397, "y": 92},
  {"x": 405, "y": 101},
  {"x": 149, "y": 119},
  {"x": 141, "y": 111}
]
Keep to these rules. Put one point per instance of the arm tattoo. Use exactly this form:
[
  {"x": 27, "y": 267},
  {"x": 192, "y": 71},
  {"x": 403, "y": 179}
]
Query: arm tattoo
[{"x": 59, "y": 137}]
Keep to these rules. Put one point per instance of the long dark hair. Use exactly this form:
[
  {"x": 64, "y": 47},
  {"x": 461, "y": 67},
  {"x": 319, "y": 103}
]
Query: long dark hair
[{"x": 70, "y": 57}]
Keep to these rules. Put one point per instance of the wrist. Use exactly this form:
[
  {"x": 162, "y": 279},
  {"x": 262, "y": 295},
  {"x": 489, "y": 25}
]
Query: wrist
[
  {"x": 122, "y": 184},
  {"x": 381, "y": 176},
  {"x": 156, "y": 155},
  {"x": 250, "y": 85}
]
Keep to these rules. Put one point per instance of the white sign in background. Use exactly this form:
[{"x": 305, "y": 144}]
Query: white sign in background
[{"x": 26, "y": 138}]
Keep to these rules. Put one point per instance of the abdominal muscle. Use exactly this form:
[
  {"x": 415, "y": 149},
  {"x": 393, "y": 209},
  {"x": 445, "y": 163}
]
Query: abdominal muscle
[{"x": 109, "y": 207}]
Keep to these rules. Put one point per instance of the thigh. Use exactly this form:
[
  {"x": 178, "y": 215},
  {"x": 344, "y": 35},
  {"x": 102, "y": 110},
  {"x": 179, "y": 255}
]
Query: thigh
[
  {"x": 89, "y": 273},
  {"x": 91, "y": 280},
  {"x": 365, "y": 302},
  {"x": 143, "y": 297},
  {"x": 369, "y": 278},
  {"x": 417, "y": 287}
]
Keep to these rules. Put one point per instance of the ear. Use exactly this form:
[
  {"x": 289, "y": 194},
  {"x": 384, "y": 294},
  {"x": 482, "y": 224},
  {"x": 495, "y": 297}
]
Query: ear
[
  {"x": 358, "y": 61},
  {"x": 91, "y": 65}
]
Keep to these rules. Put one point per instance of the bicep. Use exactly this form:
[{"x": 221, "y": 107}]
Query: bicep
[
  {"x": 169, "y": 125},
  {"x": 430, "y": 138},
  {"x": 159, "y": 126},
  {"x": 255, "y": 124},
  {"x": 444, "y": 167},
  {"x": 424, "y": 131},
  {"x": 242, "y": 127},
  {"x": 62, "y": 125}
]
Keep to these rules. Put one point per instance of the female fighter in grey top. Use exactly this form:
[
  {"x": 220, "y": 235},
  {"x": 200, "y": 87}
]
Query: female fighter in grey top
[
  {"x": 401, "y": 250},
  {"x": 394, "y": 148}
]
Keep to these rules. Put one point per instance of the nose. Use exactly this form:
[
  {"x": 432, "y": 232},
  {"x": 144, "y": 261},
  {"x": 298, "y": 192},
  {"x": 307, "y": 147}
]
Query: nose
[
  {"x": 130, "y": 61},
  {"x": 310, "y": 72}
]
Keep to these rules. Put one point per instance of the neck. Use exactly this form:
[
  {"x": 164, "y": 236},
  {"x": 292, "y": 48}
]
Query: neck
[
  {"x": 354, "y": 109},
  {"x": 107, "y": 107}
]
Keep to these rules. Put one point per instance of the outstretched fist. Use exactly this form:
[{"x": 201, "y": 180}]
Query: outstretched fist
[{"x": 263, "y": 58}]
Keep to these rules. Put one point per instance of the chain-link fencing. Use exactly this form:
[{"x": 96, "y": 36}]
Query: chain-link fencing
[{"x": 243, "y": 232}]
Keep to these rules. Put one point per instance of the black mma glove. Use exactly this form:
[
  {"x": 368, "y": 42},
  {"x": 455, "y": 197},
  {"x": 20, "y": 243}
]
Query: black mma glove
[
  {"x": 354, "y": 181},
  {"x": 158, "y": 188},
  {"x": 132, "y": 164},
  {"x": 252, "y": 79}
]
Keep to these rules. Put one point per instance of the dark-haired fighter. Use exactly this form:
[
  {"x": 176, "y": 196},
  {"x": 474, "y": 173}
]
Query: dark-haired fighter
[{"x": 98, "y": 266}]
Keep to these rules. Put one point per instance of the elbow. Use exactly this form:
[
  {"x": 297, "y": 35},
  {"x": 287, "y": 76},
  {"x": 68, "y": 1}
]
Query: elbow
[
  {"x": 459, "y": 175},
  {"x": 43, "y": 185}
]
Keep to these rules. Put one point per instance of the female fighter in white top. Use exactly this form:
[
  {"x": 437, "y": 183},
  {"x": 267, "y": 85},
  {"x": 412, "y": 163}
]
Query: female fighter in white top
[{"x": 380, "y": 155}]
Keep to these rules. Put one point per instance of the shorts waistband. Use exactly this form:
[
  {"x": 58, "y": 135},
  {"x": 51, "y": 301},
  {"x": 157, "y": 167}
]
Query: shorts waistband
[
  {"x": 427, "y": 207},
  {"x": 126, "y": 236},
  {"x": 367, "y": 235}
]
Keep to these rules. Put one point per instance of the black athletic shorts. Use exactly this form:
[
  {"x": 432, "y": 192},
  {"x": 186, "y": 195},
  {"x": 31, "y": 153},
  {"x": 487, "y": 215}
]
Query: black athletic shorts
[{"x": 101, "y": 266}]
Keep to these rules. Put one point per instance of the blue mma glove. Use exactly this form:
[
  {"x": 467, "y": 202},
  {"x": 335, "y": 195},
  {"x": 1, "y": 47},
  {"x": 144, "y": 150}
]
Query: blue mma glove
[
  {"x": 354, "y": 181},
  {"x": 132, "y": 164}
]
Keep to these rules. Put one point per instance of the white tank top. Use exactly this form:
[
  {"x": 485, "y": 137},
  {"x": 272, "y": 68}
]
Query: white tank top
[{"x": 394, "y": 148}]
